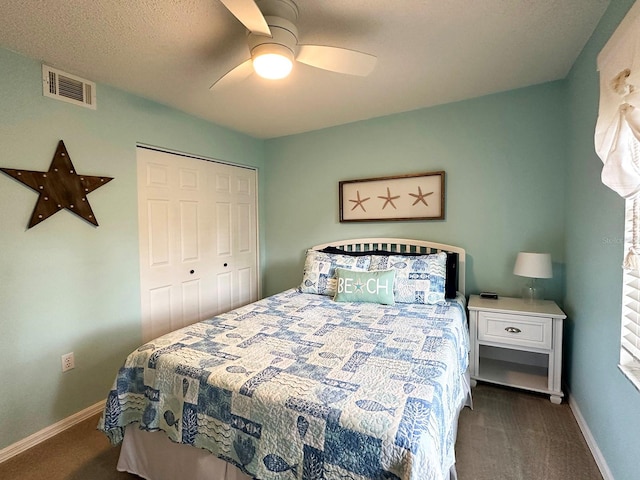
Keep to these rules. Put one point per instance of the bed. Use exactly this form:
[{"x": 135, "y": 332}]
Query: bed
[{"x": 334, "y": 379}]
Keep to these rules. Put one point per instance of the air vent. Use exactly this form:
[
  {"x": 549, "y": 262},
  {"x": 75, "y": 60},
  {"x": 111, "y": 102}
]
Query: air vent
[{"x": 68, "y": 88}]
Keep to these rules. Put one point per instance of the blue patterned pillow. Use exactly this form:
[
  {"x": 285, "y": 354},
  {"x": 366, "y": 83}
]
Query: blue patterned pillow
[
  {"x": 320, "y": 269},
  {"x": 418, "y": 279}
]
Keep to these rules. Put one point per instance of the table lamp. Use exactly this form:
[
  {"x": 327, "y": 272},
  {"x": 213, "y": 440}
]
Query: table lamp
[{"x": 533, "y": 265}]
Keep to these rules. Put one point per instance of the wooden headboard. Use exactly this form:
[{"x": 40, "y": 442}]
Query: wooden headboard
[{"x": 401, "y": 245}]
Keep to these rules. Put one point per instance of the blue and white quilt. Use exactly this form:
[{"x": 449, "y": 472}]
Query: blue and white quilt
[{"x": 297, "y": 386}]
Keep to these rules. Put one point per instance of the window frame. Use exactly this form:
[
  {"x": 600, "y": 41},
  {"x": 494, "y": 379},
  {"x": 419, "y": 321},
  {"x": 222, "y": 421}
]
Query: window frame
[{"x": 630, "y": 321}]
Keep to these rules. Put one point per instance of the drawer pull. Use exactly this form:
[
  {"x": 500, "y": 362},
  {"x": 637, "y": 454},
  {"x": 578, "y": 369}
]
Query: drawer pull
[{"x": 513, "y": 330}]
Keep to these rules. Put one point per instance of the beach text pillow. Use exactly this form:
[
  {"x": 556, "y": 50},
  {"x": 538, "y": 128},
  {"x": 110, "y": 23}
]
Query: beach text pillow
[{"x": 372, "y": 286}]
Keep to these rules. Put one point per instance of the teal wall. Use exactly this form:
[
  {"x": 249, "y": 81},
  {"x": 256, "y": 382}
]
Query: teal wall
[
  {"x": 505, "y": 161},
  {"x": 65, "y": 284},
  {"x": 594, "y": 252}
]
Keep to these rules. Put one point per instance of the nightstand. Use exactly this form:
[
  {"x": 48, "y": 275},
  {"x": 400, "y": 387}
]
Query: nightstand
[{"x": 517, "y": 344}]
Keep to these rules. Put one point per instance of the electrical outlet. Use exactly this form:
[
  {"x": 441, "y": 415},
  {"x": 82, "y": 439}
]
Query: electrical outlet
[{"x": 68, "y": 362}]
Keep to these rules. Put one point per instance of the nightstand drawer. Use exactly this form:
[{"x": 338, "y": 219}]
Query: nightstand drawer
[{"x": 520, "y": 330}]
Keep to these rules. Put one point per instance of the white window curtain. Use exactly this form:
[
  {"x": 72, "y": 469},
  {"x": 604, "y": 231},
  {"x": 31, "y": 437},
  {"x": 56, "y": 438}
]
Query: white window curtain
[
  {"x": 618, "y": 125},
  {"x": 617, "y": 136},
  {"x": 617, "y": 142},
  {"x": 618, "y": 130}
]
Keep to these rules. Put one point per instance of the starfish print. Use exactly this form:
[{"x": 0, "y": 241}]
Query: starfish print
[
  {"x": 359, "y": 286},
  {"x": 420, "y": 197},
  {"x": 389, "y": 199},
  {"x": 59, "y": 187},
  {"x": 359, "y": 202}
]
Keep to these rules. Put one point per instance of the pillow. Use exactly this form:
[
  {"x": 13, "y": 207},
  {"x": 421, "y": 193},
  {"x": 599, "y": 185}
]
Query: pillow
[
  {"x": 418, "y": 279},
  {"x": 319, "y": 271},
  {"x": 451, "y": 277},
  {"x": 372, "y": 286}
]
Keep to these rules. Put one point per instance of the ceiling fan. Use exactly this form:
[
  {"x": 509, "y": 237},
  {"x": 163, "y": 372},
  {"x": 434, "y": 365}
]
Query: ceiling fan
[{"x": 273, "y": 44}]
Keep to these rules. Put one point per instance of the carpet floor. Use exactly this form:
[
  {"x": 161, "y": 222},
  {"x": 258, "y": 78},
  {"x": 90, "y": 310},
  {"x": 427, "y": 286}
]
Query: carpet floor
[
  {"x": 515, "y": 435},
  {"x": 509, "y": 435}
]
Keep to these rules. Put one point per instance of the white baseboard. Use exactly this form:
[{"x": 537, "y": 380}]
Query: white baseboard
[
  {"x": 591, "y": 442},
  {"x": 50, "y": 431}
]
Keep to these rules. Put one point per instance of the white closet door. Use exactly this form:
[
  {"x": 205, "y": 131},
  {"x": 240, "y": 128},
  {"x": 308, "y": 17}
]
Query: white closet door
[
  {"x": 235, "y": 231},
  {"x": 198, "y": 239}
]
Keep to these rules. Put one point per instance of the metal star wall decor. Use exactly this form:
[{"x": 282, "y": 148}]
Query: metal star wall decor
[{"x": 60, "y": 187}]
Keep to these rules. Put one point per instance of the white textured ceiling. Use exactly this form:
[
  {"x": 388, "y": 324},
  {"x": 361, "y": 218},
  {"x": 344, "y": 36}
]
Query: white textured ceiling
[{"x": 429, "y": 52}]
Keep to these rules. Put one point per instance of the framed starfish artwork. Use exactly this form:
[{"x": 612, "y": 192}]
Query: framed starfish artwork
[{"x": 418, "y": 196}]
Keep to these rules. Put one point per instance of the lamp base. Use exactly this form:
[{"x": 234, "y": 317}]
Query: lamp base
[{"x": 531, "y": 294}]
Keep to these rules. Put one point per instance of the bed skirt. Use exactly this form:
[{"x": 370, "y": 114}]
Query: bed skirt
[{"x": 151, "y": 455}]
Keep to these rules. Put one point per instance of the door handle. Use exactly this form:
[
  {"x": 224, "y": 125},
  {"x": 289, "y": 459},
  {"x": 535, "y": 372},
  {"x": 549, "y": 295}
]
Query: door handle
[{"x": 513, "y": 330}]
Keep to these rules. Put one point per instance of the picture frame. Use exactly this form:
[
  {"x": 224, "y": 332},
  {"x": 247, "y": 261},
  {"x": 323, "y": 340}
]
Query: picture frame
[{"x": 418, "y": 196}]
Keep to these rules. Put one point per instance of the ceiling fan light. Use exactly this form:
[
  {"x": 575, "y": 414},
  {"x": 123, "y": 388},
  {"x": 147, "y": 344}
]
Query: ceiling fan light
[{"x": 272, "y": 61}]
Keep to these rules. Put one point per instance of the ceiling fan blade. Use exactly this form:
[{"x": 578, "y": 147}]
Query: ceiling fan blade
[
  {"x": 249, "y": 15},
  {"x": 234, "y": 75},
  {"x": 337, "y": 59}
]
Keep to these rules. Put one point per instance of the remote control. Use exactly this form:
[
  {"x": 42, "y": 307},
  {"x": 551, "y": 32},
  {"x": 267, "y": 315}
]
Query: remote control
[{"x": 491, "y": 295}]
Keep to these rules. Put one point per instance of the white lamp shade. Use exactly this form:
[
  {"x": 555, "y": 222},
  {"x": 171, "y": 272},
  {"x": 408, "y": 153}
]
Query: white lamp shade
[{"x": 533, "y": 265}]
